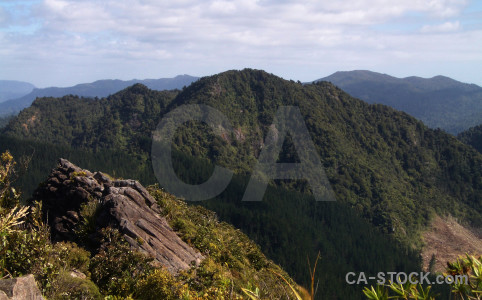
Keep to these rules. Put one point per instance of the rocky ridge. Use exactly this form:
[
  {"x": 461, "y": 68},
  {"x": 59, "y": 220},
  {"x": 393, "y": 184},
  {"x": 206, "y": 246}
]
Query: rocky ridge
[{"x": 122, "y": 204}]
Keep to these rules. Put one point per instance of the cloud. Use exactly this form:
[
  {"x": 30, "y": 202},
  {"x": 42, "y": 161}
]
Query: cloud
[
  {"x": 214, "y": 35},
  {"x": 444, "y": 27}
]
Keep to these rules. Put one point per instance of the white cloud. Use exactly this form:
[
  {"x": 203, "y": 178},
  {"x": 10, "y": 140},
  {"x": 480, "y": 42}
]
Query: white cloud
[
  {"x": 214, "y": 35},
  {"x": 444, "y": 27}
]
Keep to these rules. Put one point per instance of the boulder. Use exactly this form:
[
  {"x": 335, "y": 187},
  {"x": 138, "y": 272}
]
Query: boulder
[
  {"x": 123, "y": 204},
  {"x": 20, "y": 288}
]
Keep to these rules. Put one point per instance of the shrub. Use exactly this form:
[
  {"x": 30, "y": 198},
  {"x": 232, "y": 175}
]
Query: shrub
[
  {"x": 470, "y": 266},
  {"x": 65, "y": 286},
  {"x": 159, "y": 284},
  {"x": 116, "y": 269}
]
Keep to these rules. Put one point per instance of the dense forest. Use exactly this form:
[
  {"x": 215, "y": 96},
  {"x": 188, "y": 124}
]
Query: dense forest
[
  {"x": 472, "y": 137},
  {"x": 386, "y": 168}
]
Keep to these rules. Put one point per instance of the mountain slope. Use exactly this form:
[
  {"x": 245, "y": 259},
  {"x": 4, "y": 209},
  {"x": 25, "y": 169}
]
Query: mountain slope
[
  {"x": 288, "y": 226},
  {"x": 11, "y": 89},
  {"x": 120, "y": 121},
  {"x": 473, "y": 137},
  {"x": 384, "y": 163},
  {"x": 385, "y": 167},
  {"x": 440, "y": 102},
  {"x": 100, "y": 88}
]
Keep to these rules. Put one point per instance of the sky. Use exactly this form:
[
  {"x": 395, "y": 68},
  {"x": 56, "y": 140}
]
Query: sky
[{"x": 66, "y": 42}]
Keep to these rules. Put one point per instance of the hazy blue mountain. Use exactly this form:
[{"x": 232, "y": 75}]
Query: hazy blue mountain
[
  {"x": 440, "y": 102},
  {"x": 11, "y": 89},
  {"x": 100, "y": 88}
]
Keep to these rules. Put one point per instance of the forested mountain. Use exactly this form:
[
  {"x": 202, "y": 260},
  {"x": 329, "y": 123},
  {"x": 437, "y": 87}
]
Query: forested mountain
[
  {"x": 440, "y": 102},
  {"x": 473, "y": 137},
  {"x": 385, "y": 167},
  {"x": 11, "y": 89},
  {"x": 100, "y": 88},
  {"x": 386, "y": 164}
]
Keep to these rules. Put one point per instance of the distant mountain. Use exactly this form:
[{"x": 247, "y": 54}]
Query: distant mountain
[
  {"x": 11, "y": 89},
  {"x": 440, "y": 102},
  {"x": 100, "y": 88},
  {"x": 473, "y": 137}
]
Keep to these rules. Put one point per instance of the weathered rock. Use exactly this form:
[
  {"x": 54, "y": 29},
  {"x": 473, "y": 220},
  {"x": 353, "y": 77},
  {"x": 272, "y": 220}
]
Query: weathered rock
[
  {"x": 20, "y": 288},
  {"x": 124, "y": 204}
]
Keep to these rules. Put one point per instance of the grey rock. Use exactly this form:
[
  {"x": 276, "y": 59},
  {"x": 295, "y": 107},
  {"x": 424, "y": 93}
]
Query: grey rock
[
  {"x": 124, "y": 204},
  {"x": 20, "y": 288}
]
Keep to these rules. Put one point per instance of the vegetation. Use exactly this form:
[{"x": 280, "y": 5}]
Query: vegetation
[
  {"x": 288, "y": 225},
  {"x": 469, "y": 266},
  {"x": 472, "y": 137},
  {"x": 4, "y": 120},
  {"x": 388, "y": 166},
  {"x": 99, "y": 88},
  {"x": 115, "y": 270},
  {"x": 440, "y": 102}
]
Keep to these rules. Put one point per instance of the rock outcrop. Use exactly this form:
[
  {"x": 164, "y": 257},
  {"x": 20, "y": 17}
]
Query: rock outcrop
[
  {"x": 20, "y": 288},
  {"x": 123, "y": 204}
]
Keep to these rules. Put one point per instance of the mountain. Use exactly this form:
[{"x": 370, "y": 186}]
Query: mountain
[
  {"x": 377, "y": 159},
  {"x": 440, "y": 102},
  {"x": 100, "y": 88},
  {"x": 11, "y": 89},
  {"x": 473, "y": 137},
  {"x": 390, "y": 173}
]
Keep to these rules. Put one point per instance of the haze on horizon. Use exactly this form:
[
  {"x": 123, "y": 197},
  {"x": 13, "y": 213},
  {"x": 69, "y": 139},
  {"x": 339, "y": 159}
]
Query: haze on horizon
[{"x": 66, "y": 42}]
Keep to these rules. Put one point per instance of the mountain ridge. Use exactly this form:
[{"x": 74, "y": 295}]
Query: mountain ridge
[
  {"x": 440, "y": 102},
  {"x": 11, "y": 89},
  {"x": 99, "y": 88}
]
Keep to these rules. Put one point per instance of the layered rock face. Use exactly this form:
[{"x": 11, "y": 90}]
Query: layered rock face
[{"x": 123, "y": 204}]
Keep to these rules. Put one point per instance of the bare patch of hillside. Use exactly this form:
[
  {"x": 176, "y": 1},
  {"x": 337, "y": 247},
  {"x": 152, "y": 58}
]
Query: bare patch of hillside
[{"x": 447, "y": 239}]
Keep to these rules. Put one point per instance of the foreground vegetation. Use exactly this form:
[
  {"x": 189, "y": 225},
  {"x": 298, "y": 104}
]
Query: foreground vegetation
[
  {"x": 469, "y": 266},
  {"x": 66, "y": 270}
]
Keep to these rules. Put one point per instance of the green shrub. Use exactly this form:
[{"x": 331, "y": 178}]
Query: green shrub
[
  {"x": 116, "y": 269},
  {"x": 65, "y": 286},
  {"x": 87, "y": 226},
  {"x": 159, "y": 284},
  {"x": 73, "y": 257}
]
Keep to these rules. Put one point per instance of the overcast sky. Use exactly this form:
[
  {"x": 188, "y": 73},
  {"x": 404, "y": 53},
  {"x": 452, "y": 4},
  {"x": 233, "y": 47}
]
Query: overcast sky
[{"x": 65, "y": 42}]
